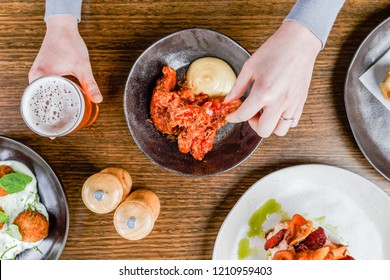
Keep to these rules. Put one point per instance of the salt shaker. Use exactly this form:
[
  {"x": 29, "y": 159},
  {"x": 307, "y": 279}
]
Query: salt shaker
[
  {"x": 102, "y": 192},
  {"x": 135, "y": 217}
]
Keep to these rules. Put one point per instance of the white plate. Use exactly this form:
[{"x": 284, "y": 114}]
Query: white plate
[{"x": 356, "y": 211}]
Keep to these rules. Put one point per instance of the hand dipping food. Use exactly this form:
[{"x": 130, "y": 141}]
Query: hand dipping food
[{"x": 210, "y": 75}]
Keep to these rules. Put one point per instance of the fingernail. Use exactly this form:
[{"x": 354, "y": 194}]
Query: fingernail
[
  {"x": 227, "y": 99},
  {"x": 97, "y": 97}
]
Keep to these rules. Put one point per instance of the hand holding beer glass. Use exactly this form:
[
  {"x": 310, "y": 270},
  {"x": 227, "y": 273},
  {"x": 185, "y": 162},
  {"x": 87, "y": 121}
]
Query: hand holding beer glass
[{"x": 47, "y": 102}]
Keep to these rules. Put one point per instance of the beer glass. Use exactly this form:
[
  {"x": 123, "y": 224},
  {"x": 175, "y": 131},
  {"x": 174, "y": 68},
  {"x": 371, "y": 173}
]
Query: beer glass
[{"x": 54, "y": 106}]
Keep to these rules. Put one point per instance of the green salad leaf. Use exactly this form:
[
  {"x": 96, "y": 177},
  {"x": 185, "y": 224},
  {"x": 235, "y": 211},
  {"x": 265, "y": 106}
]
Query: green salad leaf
[
  {"x": 14, "y": 182},
  {"x": 3, "y": 217},
  {"x": 13, "y": 231}
]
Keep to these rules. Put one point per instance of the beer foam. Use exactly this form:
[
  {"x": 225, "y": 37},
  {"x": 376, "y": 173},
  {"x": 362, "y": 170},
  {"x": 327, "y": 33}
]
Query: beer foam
[{"x": 52, "y": 106}]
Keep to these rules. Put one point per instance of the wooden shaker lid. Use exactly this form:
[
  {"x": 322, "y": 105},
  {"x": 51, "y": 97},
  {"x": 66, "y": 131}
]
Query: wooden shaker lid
[
  {"x": 123, "y": 176},
  {"x": 149, "y": 198},
  {"x": 134, "y": 218},
  {"x": 102, "y": 193}
]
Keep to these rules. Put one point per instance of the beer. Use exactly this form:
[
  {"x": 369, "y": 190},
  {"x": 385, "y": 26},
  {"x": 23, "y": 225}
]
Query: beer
[{"x": 54, "y": 106}]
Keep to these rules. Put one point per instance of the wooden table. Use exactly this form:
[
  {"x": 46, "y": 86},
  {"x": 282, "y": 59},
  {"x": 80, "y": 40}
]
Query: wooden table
[{"x": 192, "y": 210}]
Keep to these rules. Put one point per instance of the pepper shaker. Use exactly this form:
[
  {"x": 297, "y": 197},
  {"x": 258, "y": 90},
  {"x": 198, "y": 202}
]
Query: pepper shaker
[
  {"x": 102, "y": 192},
  {"x": 135, "y": 217}
]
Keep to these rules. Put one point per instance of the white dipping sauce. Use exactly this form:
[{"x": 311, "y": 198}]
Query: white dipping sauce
[
  {"x": 211, "y": 76},
  {"x": 13, "y": 205}
]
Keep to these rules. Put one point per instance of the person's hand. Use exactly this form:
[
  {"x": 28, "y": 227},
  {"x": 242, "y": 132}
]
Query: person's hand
[
  {"x": 279, "y": 72},
  {"x": 63, "y": 52}
]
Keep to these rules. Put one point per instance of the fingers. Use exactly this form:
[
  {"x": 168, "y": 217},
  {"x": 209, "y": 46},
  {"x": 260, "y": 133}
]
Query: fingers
[
  {"x": 84, "y": 75},
  {"x": 297, "y": 115},
  {"x": 264, "y": 111},
  {"x": 243, "y": 81},
  {"x": 274, "y": 121},
  {"x": 250, "y": 107},
  {"x": 287, "y": 120},
  {"x": 89, "y": 84},
  {"x": 264, "y": 124}
]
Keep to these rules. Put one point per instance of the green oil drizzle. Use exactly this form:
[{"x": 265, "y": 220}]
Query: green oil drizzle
[
  {"x": 257, "y": 219},
  {"x": 244, "y": 249},
  {"x": 320, "y": 219},
  {"x": 255, "y": 224}
]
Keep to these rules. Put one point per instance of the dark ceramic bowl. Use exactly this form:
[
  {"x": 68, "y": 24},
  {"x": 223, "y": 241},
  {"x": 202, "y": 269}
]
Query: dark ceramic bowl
[
  {"x": 51, "y": 195},
  {"x": 234, "y": 143}
]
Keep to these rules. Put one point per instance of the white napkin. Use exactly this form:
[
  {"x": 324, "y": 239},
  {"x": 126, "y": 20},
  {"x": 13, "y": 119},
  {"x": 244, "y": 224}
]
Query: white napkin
[{"x": 375, "y": 75}]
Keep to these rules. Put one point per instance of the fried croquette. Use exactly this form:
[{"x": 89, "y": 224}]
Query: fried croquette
[
  {"x": 4, "y": 170},
  {"x": 33, "y": 226}
]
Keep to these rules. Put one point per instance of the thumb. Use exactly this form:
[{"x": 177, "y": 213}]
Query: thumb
[
  {"x": 242, "y": 83},
  {"x": 89, "y": 85},
  {"x": 35, "y": 73}
]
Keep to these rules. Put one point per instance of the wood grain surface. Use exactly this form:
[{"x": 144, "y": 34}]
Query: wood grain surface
[{"x": 192, "y": 210}]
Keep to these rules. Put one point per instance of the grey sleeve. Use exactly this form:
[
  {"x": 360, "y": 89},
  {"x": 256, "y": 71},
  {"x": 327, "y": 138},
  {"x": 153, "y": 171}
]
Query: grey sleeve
[
  {"x": 63, "y": 7},
  {"x": 317, "y": 15}
]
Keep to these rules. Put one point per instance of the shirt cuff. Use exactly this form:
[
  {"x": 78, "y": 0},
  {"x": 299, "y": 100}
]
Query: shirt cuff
[
  {"x": 63, "y": 7},
  {"x": 317, "y": 15}
]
